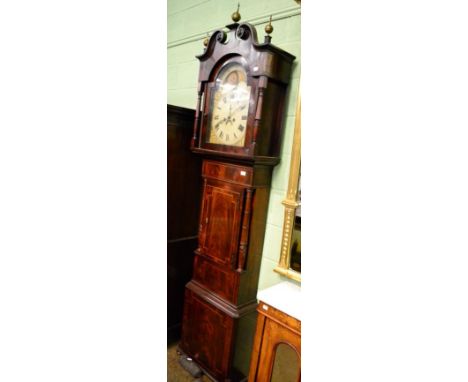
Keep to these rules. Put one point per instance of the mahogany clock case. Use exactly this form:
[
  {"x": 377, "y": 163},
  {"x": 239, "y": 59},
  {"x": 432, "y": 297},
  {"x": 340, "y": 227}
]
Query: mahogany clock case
[{"x": 220, "y": 300}]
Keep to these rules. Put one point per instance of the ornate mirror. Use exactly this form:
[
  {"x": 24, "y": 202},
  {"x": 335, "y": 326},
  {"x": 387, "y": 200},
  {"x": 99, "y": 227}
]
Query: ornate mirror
[{"x": 290, "y": 259}]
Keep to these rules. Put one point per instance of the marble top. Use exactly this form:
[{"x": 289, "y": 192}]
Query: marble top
[{"x": 285, "y": 296}]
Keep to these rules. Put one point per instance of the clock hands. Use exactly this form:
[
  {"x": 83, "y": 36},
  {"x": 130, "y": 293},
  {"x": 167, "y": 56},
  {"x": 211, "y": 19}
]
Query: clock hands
[
  {"x": 220, "y": 122},
  {"x": 241, "y": 107},
  {"x": 229, "y": 118}
]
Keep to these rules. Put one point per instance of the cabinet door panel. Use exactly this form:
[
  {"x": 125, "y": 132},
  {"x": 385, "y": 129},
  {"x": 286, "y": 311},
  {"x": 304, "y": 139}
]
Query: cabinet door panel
[
  {"x": 221, "y": 223},
  {"x": 274, "y": 335}
]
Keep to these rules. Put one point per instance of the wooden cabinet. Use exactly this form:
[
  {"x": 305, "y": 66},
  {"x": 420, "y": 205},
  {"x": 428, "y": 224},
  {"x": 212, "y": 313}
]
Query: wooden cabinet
[
  {"x": 183, "y": 206},
  {"x": 276, "y": 355}
]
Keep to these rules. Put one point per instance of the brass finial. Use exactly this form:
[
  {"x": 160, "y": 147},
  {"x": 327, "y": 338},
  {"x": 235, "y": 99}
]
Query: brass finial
[
  {"x": 236, "y": 15},
  {"x": 269, "y": 27},
  {"x": 205, "y": 41}
]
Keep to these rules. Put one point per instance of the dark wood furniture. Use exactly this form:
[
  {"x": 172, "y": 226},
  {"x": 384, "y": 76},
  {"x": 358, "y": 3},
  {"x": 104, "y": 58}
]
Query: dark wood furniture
[
  {"x": 242, "y": 87},
  {"x": 183, "y": 207},
  {"x": 274, "y": 328}
]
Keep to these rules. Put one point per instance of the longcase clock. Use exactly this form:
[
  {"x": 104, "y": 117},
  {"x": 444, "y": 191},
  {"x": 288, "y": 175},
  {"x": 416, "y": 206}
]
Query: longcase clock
[{"x": 238, "y": 127}]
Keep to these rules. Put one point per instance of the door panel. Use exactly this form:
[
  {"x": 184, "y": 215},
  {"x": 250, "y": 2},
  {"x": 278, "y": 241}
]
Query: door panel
[{"x": 222, "y": 209}]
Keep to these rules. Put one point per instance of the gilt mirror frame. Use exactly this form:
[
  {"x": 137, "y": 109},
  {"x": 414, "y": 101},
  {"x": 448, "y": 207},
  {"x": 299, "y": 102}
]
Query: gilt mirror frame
[{"x": 290, "y": 202}]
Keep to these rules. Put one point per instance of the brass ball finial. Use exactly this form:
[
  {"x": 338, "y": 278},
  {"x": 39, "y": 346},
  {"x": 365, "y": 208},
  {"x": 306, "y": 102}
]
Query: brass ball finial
[
  {"x": 269, "y": 27},
  {"x": 205, "y": 41},
  {"x": 236, "y": 15}
]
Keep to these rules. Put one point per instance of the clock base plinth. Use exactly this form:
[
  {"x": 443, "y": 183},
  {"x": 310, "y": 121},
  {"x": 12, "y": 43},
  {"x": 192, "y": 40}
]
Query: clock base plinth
[{"x": 212, "y": 328}]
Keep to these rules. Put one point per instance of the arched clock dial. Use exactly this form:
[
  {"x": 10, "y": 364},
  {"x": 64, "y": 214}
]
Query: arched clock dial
[{"x": 230, "y": 107}]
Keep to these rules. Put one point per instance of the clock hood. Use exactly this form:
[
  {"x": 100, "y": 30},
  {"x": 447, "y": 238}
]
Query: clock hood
[{"x": 263, "y": 59}]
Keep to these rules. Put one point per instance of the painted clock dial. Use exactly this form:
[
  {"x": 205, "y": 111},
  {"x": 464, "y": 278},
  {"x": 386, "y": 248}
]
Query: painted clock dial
[{"x": 230, "y": 107}]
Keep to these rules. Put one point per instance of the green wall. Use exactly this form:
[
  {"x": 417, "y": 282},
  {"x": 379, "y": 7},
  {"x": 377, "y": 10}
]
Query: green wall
[{"x": 188, "y": 22}]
